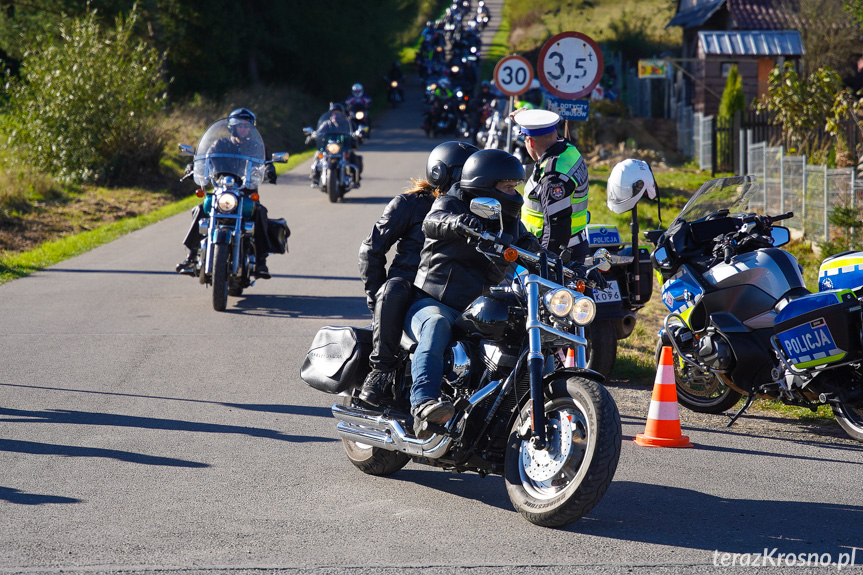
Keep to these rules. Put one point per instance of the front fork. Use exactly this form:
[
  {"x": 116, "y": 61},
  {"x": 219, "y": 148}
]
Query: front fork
[{"x": 535, "y": 364}]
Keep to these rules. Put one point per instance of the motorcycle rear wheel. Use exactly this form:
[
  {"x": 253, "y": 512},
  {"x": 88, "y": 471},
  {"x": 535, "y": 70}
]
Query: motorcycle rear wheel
[
  {"x": 220, "y": 276},
  {"x": 557, "y": 486},
  {"x": 333, "y": 185},
  {"x": 373, "y": 460},
  {"x": 849, "y": 418},
  {"x": 702, "y": 395},
  {"x": 601, "y": 347}
]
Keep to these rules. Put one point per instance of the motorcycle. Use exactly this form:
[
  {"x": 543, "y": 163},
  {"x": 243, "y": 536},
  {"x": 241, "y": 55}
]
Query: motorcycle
[
  {"x": 228, "y": 185},
  {"x": 741, "y": 320},
  {"x": 335, "y": 168},
  {"x": 630, "y": 286},
  {"x": 553, "y": 434},
  {"x": 359, "y": 117},
  {"x": 395, "y": 94}
]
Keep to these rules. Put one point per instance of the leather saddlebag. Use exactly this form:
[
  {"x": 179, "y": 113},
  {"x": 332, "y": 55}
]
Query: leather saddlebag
[
  {"x": 277, "y": 235},
  {"x": 338, "y": 359}
]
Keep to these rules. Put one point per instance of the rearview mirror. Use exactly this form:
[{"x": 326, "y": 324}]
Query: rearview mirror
[
  {"x": 308, "y": 131},
  {"x": 280, "y": 157},
  {"x": 488, "y": 208},
  {"x": 603, "y": 257},
  {"x": 781, "y": 236},
  {"x": 187, "y": 150}
]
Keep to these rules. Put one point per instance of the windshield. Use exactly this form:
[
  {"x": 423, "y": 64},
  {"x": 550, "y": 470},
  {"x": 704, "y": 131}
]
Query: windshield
[
  {"x": 333, "y": 123},
  {"x": 734, "y": 194},
  {"x": 221, "y": 153}
]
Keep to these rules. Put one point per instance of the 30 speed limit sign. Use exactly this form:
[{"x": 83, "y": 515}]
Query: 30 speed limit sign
[
  {"x": 570, "y": 65},
  {"x": 513, "y": 75}
]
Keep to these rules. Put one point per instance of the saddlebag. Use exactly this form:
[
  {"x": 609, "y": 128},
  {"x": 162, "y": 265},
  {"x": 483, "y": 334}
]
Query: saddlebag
[
  {"x": 277, "y": 235},
  {"x": 338, "y": 359}
]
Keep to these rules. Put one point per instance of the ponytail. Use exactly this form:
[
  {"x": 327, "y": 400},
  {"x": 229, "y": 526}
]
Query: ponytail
[{"x": 419, "y": 186}]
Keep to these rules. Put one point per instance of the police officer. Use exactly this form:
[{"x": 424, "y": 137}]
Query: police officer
[{"x": 555, "y": 195}]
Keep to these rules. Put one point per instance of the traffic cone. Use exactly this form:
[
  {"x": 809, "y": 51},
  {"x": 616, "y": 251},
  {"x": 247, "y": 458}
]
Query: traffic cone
[
  {"x": 570, "y": 358},
  {"x": 663, "y": 419}
]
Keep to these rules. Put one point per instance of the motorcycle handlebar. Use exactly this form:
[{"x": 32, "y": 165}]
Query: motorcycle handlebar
[{"x": 779, "y": 218}]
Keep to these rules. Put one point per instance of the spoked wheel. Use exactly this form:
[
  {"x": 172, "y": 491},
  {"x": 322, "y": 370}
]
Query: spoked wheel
[
  {"x": 373, "y": 460},
  {"x": 555, "y": 486},
  {"x": 220, "y": 276},
  {"x": 700, "y": 392},
  {"x": 850, "y": 418}
]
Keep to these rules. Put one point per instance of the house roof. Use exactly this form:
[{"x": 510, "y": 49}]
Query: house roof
[
  {"x": 696, "y": 16},
  {"x": 751, "y": 43},
  {"x": 745, "y": 14}
]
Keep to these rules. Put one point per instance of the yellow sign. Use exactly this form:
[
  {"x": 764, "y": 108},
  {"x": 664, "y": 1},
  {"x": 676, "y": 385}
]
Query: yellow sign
[{"x": 652, "y": 69}]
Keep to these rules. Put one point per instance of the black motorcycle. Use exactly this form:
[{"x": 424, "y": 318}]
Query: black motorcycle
[
  {"x": 228, "y": 185},
  {"x": 553, "y": 434},
  {"x": 335, "y": 168}
]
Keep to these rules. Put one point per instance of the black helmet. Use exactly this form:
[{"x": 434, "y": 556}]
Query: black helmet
[
  {"x": 240, "y": 116},
  {"x": 336, "y": 107},
  {"x": 445, "y": 162},
  {"x": 483, "y": 170}
]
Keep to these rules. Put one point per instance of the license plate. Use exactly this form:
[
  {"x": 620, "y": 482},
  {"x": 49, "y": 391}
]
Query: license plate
[
  {"x": 808, "y": 342},
  {"x": 612, "y": 293}
]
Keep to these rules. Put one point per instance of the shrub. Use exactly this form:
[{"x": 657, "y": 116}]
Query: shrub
[{"x": 83, "y": 108}]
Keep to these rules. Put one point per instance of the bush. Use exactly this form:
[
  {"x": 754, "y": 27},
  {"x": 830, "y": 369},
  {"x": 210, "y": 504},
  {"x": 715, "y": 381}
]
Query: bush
[{"x": 84, "y": 106}]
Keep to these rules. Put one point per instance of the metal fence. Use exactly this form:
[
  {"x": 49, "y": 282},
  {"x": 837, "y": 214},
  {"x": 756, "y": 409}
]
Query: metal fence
[{"x": 789, "y": 183}]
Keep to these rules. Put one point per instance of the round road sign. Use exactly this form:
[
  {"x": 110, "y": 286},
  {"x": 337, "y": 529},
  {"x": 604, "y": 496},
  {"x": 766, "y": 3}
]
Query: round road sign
[
  {"x": 513, "y": 75},
  {"x": 570, "y": 65}
]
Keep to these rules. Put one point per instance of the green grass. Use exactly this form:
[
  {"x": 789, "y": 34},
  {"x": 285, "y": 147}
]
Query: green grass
[{"x": 498, "y": 48}]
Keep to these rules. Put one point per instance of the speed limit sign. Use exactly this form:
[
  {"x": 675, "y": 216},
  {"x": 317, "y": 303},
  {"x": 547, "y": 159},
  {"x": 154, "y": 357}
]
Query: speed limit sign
[
  {"x": 513, "y": 75},
  {"x": 570, "y": 65}
]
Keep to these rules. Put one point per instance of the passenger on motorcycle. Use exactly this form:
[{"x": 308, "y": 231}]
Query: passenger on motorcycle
[
  {"x": 389, "y": 294},
  {"x": 240, "y": 123},
  {"x": 452, "y": 273}
]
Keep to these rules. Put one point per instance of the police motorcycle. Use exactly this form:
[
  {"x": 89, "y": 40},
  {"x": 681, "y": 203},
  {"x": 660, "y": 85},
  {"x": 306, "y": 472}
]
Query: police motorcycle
[
  {"x": 630, "y": 281},
  {"x": 228, "y": 185},
  {"x": 741, "y": 320},
  {"x": 334, "y": 168},
  {"x": 553, "y": 434}
]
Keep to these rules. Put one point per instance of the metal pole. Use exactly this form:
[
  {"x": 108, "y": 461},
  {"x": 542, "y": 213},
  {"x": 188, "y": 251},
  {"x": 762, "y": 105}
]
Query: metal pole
[
  {"x": 826, "y": 208},
  {"x": 509, "y": 126},
  {"x": 781, "y": 179}
]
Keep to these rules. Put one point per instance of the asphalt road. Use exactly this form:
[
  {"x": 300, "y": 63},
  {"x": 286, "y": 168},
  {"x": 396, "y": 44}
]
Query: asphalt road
[{"x": 141, "y": 431}]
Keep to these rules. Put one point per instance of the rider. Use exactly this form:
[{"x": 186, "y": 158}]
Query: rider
[
  {"x": 335, "y": 121},
  {"x": 452, "y": 273},
  {"x": 240, "y": 125},
  {"x": 555, "y": 196},
  {"x": 390, "y": 294},
  {"x": 359, "y": 101}
]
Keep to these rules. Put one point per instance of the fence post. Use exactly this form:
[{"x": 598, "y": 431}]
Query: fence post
[
  {"x": 826, "y": 207},
  {"x": 781, "y": 179},
  {"x": 804, "y": 193},
  {"x": 714, "y": 141}
]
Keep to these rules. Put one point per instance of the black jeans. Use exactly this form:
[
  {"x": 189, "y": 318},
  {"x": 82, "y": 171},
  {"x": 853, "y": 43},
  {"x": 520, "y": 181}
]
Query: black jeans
[
  {"x": 391, "y": 306},
  {"x": 193, "y": 237}
]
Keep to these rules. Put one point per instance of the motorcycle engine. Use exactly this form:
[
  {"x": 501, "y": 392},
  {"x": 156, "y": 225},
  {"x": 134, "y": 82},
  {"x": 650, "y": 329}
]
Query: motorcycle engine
[{"x": 715, "y": 352}]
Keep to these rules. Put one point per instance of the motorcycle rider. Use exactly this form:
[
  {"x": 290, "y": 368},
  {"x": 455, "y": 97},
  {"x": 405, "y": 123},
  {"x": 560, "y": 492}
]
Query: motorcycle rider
[
  {"x": 555, "y": 195},
  {"x": 336, "y": 122},
  {"x": 389, "y": 294},
  {"x": 240, "y": 124},
  {"x": 452, "y": 273},
  {"x": 359, "y": 101}
]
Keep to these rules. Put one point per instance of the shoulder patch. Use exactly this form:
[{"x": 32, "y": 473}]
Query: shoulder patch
[{"x": 557, "y": 192}]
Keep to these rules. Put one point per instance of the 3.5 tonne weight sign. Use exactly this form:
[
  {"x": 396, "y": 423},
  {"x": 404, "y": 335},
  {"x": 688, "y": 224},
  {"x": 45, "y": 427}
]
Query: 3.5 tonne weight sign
[{"x": 570, "y": 65}]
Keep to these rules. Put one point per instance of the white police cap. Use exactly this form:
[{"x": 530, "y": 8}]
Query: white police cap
[{"x": 537, "y": 122}]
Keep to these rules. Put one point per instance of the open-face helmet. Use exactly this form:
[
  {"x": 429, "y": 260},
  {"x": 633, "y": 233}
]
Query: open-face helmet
[{"x": 238, "y": 117}]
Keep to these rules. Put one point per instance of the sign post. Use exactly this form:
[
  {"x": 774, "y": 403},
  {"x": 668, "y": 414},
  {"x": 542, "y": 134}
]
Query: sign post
[
  {"x": 570, "y": 66},
  {"x": 512, "y": 76}
]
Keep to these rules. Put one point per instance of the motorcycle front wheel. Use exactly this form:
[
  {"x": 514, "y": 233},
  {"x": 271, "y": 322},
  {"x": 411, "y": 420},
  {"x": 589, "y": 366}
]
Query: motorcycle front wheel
[
  {"x": 849, "y": 418},
  {"x": 333, "y": 185},
  {"x": 555, "y": 486},
  {"x": 220, "y": 276},
  {"x": 373, "y": 460},
  {"x": 702, "y": 393}
]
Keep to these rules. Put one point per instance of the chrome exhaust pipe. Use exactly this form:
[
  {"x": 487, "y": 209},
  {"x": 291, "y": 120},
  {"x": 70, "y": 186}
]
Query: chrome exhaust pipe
[{"x": 378, "y": 430}]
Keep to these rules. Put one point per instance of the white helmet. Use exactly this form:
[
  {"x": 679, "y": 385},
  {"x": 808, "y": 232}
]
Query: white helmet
[{"x": 629, "y": 180}]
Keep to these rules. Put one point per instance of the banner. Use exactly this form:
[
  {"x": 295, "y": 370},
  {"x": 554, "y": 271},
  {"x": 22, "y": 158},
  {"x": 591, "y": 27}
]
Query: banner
[{"x": 652, "y": 69}]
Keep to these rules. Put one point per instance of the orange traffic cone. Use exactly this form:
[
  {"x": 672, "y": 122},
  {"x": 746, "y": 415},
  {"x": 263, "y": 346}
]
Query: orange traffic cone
[
  {"x": 570, "y": 358},
  {"x": 663, "y": 419}
]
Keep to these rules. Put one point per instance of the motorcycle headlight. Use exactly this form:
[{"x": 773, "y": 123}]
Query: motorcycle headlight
[
  {"x": 394, "y": 84},
  {"x": 559, "y": 302},
  {"x": 360, "y": 115},
  {"x": 454, "y": 69},
  {"x": 333, "y": 148},
  {"x": 583, "y": 311},
  {"x": 227, "y": 203},
  {"x": 462, "y": 107}
]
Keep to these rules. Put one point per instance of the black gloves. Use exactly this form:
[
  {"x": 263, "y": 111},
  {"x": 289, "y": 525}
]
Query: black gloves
[
  {"x": 468, "y": 220},
  {"x": 270, "y": 174}
]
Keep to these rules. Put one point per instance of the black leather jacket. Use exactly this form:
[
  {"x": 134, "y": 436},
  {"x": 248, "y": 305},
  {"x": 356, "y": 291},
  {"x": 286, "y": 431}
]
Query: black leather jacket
[
  {"x": 401, "y": 222},
  {"x": 451, "y": 270}
]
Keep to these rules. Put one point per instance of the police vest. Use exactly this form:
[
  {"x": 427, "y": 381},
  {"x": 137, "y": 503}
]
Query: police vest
[{"x": 569, "y": 166}]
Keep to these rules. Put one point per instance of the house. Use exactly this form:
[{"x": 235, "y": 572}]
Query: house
[{"x": 754, "y": 35}]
